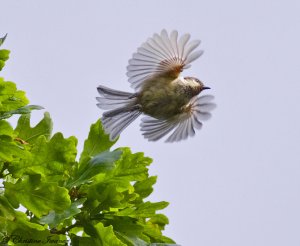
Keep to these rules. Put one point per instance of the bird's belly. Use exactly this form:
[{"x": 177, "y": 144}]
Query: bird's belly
[{"x": 161, "y": 103}]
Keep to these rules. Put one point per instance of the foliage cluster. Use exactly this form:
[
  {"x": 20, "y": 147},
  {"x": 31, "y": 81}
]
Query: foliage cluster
[{"x": 96, "y": 199}]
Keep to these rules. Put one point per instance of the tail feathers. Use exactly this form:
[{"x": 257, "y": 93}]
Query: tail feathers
[
  {"x": 115, "y": 112},
  {"x": 115, "y": 121},
  {"x": 122, "y": 110},
  {"x": 112, "y": 99}
]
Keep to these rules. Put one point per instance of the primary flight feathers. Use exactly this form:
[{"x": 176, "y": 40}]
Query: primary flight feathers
[
  {"x": 160, "y": 54},
  {"x": 184, "y": 126}
]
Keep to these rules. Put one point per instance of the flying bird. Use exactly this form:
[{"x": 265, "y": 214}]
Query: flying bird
[{"x": 171, "y": 103}]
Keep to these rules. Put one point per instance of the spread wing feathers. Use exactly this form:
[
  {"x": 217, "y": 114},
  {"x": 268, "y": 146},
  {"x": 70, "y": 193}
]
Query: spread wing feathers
[
  {"x": 162, "y": 54},
  {"x": 111, "y": 99},
  {"x": 181, "y": 126},
  {"x": 116, "y": 124}
]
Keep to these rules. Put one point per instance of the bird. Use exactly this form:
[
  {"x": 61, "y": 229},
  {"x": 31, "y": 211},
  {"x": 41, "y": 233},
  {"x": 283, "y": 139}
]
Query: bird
[{"x": 170, "y": 103}]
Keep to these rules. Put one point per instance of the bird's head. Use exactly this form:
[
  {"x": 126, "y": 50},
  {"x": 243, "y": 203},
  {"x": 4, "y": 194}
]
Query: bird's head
[{"x": 192, "y": 81}]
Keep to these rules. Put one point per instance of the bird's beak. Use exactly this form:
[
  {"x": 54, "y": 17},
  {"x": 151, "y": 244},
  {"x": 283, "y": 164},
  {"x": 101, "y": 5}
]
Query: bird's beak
[{"x": 205, "y": 88}]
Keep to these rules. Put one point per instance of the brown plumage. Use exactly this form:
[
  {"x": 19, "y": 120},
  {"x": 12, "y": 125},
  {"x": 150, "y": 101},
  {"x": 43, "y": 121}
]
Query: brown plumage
[{"x": 170, "y": 102}]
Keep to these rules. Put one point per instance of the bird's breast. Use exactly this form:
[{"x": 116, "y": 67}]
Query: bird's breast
[{"x": 162, "y": 100}]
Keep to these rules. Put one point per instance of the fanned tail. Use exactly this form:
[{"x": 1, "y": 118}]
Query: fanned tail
[
  {"x": 116, "y": 124},
  {"x": 111, "y": 99},
  {"x": 122, "y": 110}
]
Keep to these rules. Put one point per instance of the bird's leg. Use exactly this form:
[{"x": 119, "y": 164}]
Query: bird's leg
[
  {"x": 136, "y": 107},
  {"x": 133, "y": 95}
]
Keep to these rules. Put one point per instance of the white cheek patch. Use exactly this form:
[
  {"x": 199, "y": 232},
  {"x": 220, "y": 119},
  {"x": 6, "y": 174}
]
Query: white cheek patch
[{"x": 195, "y": 84}]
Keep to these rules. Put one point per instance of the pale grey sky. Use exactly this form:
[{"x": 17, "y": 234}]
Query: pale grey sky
[{"x": 237, "y": 182}]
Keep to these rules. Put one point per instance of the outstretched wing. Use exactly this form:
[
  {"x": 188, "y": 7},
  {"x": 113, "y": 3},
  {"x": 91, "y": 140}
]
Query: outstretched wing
[
  {"x": 162, "y": 54},
  {"x": 181, "y": 126}
]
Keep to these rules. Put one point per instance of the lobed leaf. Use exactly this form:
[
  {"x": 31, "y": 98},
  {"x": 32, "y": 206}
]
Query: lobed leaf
[
  {"x": 132, "y": 167},
  {"x": 10, "y": 98},
  {"x": 3, "y": 39},
  {"x": 4, "y": 54},
  {"x": 113, "y": 189},
  {"x": 5, "y": 128},
  {"x": 99, "y": 164},
  {"x": 10, "y": 150},
  {"x": 54, "y": 218},
  {"x": 23, "y": 110},
  {"x": 97, "y": 142},
  {"x": 6, "y": 209},
  {"x": 143, "y": 210},
  {"x": 20, "y": 231},
  {"x": 144, "y": 187},
  {"x": 104, "y": 236},
  {"x": 38, "y": 197},
  {"x": 30, "y": 134},
  {"x": 51, "y": 159}
]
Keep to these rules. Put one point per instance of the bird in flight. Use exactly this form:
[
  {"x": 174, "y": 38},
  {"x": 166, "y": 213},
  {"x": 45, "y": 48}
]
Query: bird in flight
[{"x": 171, "y": 103}]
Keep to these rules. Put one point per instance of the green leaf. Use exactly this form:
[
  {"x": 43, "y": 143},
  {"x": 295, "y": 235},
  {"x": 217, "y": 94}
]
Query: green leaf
[
  {"x": 5, "y": 128},
  {"x": 154, "y": 232},
  {"x": 31, "y": 134},
  {"x": 112, "y": 189},
  {"x": 10, "y": 150},
  {"x": 20, "y": 231},
  {"x": 126, "y": 225},
  {"x": 132, "y": 167},
  {"x": 109, "y": 195},
  {"x": 6, "y": 209},
  {"x": 23, "y": 110},
  {"x": 82, "y": 241},
  {"x": 10, "y": 98},
  {"x": 128, "y": 230},
  {"x": 53, "y": 218},
  {"x": 104, "y": 236},
  {"x": 100, "y": 163},
  {"x": 131, "y": 240},
  {"x": 51, "y": 159},
  {"x": 3, "y": 39},
  {"x": 160, "y": 220},
  {"x": 97, "y": 142},
  {"x": 163, "y": 244},
  {"x": 144, "y": 210},
  {"x": 144, "y": 188},
  {"x": 38, "y": 197},
  {"x": 99, "y": 235},
  {"x": 4, "y": 54}
]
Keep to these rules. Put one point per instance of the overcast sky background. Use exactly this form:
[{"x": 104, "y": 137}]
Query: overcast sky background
[{"x": 237, "y": 182}]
